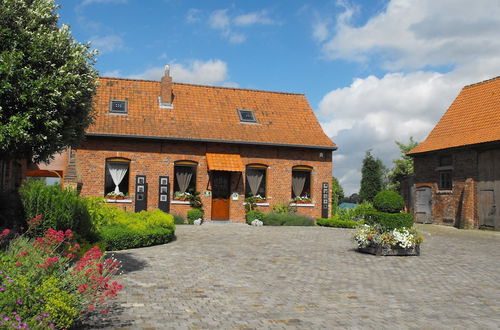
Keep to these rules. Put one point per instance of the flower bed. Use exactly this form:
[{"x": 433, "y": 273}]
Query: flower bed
[
  {"x": 397, "y": 242},
  {"x": 44, "y": 286}
]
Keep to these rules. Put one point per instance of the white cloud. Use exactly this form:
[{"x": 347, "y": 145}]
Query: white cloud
[
  {"x": 258, "y": 17},
  {"x": 320, "y": 31},
  {"x": 193, "y": 15},
  {"x": 88, "y": 2},
  {"x": 211, "y": 72},
  {"x": 108, "y": 43},
  {"x": 373, "y": 112},
  {"x": 221, "y": 20},
  {"x": 418, "y": 33},
  {"x": 112, "y": 73}
]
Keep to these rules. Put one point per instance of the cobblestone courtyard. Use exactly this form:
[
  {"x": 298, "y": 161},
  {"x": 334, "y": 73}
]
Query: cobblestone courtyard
[{"x": 237, "y": 276}]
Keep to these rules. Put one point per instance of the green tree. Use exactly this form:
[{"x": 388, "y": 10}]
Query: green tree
[
  {"x": 337, "y": 194},
  {"x": 47, "y": 82},
  {"x": 371, "y": 177},
  {"x": 402, "y": 167}
]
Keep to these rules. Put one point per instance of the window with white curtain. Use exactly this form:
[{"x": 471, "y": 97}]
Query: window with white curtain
[
  {"x": 301, "y": 181},
  {"x": 117, "y": 176},
  {"x": 184, "y": 178},
  {"x": 255, "y": 180}
]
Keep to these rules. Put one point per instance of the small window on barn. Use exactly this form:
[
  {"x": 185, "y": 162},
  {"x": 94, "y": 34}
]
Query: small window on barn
[
  {"x": 117, "y": 177},
  {"x": 184, "y": 179},
  {"x": 118, "y": 106},
  {"x": 246, "y": 116},
  {"x": 256, "y": 180},
  {"x": 301, "y": 183},
  {"x": 445, "y": 181}
]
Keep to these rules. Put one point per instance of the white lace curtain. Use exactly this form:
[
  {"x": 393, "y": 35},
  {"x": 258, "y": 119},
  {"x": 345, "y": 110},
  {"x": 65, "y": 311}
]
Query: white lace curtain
[
  {"x": 298, "y": 182},
  {"x": 117, "y": 172},
  {"x": 183, "y": 176},
  {"x": 254, "y": 178}
]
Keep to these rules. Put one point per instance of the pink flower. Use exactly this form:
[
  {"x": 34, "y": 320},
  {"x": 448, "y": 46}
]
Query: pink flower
[
  {"x": 91, "y": 307},
  {"x": 4, "y": 233}
]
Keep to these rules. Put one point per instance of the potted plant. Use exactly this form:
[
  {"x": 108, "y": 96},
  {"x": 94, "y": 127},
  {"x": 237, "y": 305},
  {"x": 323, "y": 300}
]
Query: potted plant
[{"x": 301, "y": 199}]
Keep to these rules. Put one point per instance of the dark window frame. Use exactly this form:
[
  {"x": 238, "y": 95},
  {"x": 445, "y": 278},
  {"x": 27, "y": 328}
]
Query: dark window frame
[
  {"x": 243, "y": 120},
  {"x": 263, "y": 185},
  {"x": 445, "y": 180},
  {"x": 108, "y": 181},
  {"x": 115, "y": 111},
  {"x": 192, "y": 183},
  {"x": 307, "y": 185}
]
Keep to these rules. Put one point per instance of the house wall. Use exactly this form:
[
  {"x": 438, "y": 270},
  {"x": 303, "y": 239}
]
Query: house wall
[
  {"x": 456, "y": 207},
  {"x": 156, "y": 158}
]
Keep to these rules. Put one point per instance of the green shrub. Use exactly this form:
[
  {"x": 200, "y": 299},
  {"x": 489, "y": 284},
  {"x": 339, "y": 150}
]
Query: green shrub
[
  {"x": 357, "y": 213},
  {"x": 60, "y": 209},
  {"x": 255, "y": 214},
  {"x": 338, "y": 223},
  {"x": 388, "y": 201},
  {"x": 120, "y": 237},
  {"x": 179, "y": 219},
  {"x": 287, "y": 219},
  {"x": 194, "y": 214},
  {"x": 124, "y": 230},
  {"x": 284, "y": 207},
  {"x": 389, "y": 221},
  {"x": 101, "y": 214}
]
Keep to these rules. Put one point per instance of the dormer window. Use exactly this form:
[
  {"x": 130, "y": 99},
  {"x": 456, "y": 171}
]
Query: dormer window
[
  {"x": 246, "y": 116},
  {"x": 118, "y": 106}
]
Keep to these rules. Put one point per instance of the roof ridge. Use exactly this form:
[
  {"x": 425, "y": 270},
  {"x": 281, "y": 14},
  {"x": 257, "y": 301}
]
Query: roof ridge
[
  {"x": 482, "y": 82},
  {"x": 237, "y": 88},
  {"x": 130, "y": 79},
  {"x": 208, "y": 86}
]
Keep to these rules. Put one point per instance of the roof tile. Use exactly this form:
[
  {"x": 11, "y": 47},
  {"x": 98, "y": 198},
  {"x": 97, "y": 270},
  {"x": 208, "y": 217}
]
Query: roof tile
[{"x": 472, "y": 118}]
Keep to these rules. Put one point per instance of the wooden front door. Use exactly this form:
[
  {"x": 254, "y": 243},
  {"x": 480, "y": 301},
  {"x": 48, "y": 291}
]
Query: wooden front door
[
  {"x": 221, "y": 191},
  {"x": 489, "y": 189},
  {"x": 423, "y": 203}
]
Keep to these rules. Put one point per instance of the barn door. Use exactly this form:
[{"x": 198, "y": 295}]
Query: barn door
[
  {"x": 489, "y": 189},
  {"x": 423, "y": 203}
]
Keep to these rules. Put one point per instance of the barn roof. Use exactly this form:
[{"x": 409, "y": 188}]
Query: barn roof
[{"x": 472, "y": 118}]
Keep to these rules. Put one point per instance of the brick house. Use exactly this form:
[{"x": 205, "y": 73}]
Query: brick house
[
  {"x": 457, "y": 167},
  {"x": 156, "y": 141}
]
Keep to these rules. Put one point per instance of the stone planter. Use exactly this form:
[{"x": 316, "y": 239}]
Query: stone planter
[{"x": 391, "y": 250}]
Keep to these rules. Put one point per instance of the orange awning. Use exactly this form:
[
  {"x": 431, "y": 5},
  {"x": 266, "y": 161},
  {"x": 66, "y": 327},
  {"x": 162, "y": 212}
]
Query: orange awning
[{"x": 224, "y": 162}]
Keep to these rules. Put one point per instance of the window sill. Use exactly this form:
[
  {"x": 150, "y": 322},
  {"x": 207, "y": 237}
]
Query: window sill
[
  {"x": 180, "y": 202},
  {"x": 302, "y": 204},
  {"x": 259, "y": 204},
  {"x": 445, "y": 192},
  {"x": 119, "y": 200}
]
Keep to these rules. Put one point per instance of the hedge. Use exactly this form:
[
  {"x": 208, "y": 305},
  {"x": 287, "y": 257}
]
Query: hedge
[
  {"x": 287, "y": 219},
  {"x": 194, "y": 214},
  {"x": 338, "y": 223},
  {"x": 390, "y": 221},
  {"x": 254, "y": 214},
  {"x": 120, "y": 237}
]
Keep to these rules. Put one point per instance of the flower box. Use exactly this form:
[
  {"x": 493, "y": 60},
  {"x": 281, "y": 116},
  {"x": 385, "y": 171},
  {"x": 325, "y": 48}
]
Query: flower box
[{"x": 390, "y": 250}]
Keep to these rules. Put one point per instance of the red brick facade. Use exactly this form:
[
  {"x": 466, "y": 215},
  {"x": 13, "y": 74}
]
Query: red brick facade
[{"x": 154, "y": 158}]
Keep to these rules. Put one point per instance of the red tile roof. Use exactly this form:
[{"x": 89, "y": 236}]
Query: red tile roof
[
  {"x": 472, "y": 118},
  {"x": 204, "y": 113},
  {"x": 224, "y": 162}
]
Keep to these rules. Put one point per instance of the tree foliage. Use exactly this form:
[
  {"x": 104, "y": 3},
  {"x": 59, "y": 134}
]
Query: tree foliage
[
  {"x": 372, "y": 174},
  {"x": 337, "y": 194},
  {"x": 402, "y": 167},
  {"x": 47, "y": 82}
]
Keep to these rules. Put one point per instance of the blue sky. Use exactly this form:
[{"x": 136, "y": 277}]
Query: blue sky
[{"x": 374, "y": 71}]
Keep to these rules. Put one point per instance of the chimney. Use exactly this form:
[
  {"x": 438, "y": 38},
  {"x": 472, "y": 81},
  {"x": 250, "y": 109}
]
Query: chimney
[{"x": 166, "y": 96}]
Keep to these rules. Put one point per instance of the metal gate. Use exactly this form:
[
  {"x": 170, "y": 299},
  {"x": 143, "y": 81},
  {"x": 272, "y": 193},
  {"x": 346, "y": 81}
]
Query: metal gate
[
  {"x": 423, "y": 205},
  {"x": 489, "y": 189}
]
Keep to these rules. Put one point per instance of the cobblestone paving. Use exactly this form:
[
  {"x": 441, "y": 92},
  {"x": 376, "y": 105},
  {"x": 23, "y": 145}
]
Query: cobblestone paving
[{"x": 242, "y": 277}]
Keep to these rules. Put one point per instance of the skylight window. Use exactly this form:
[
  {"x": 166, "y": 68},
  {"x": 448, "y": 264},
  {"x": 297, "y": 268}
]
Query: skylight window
[
  {"x": 246, "y": 116},
  {"x": 118, "y": 106}
]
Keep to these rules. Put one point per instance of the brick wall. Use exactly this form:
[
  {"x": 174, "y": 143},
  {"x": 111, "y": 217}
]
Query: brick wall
[
  {"x": 456, "y": 207},
  {"x": 156, "y": 158}
]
